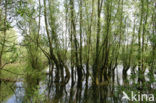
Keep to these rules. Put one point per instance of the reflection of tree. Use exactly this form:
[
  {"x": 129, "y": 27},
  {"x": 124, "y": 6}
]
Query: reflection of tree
[
  {"x": 58, "y": 93},
  {"x": 85, "y": 95},
  {"x": 31, "y": 88},
  {"x": 6, "y": 90},
  {"x": 79, "y": 92},
  {"x": 71, "y": 95}
]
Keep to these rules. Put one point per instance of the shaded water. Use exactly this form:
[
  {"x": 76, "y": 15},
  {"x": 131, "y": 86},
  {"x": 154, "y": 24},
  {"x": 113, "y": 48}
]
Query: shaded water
[{"x": 35, "y": 90}]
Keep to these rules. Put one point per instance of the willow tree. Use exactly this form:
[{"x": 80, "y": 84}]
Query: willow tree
[
  {"x": 152, "y": 26},
  {"x": 28, "y": 26},
  {"x": 51, "y": 27},
  {"x": 96, "y": 67},
  {"x": 7, "y": 37},
  {"x": 141, "y": 39},
  {"x": 89, "y": 31},
  {"x": 3, "y": 29},
  {"x": 117, "y": 36},
  {"x": 106, "y": 40}
]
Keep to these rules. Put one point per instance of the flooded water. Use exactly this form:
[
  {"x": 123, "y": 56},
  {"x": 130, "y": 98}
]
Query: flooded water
[{"x": 36, "y": 90}]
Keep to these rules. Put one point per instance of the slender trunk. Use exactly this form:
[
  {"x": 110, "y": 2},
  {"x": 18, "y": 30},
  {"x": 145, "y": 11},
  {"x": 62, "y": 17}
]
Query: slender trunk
[
  {"x": 46, "y": 24},
  {"x": 80, "y": 22},
  {"x": 95, "y": 66},
  {"x": 39, "y": 23},
  {"x": 71, "y": 41},
  {"x": 89, "y": 41},
  {"x": 80, "y": 66},
  {"x": 51, "y": 54},
  {"x": 153, "y": 46},
  {"x": 131, "y": 51},
  {"x": 105, "y": 54},
  {"x": 79, "y": 71},
  {"x": 143, "y": 40},
  {"x": 139, "y": 43}
]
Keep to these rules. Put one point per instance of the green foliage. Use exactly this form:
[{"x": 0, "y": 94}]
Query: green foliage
[
  {"x": 102, "y": 33},
  {"x": 10, "y": 53}
]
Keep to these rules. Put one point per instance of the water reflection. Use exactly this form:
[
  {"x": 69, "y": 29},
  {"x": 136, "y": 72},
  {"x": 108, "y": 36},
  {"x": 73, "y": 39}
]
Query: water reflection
[
  {"x": 34, "y": 90},
  {"x": 31, "y": 88},
  {"x": 18, "y": 95}
]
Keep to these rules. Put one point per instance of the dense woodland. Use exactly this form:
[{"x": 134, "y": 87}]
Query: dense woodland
[{"x": 76, "y": 44}]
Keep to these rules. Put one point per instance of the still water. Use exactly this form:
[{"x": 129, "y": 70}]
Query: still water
[{"x": 35, "y": 90}]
